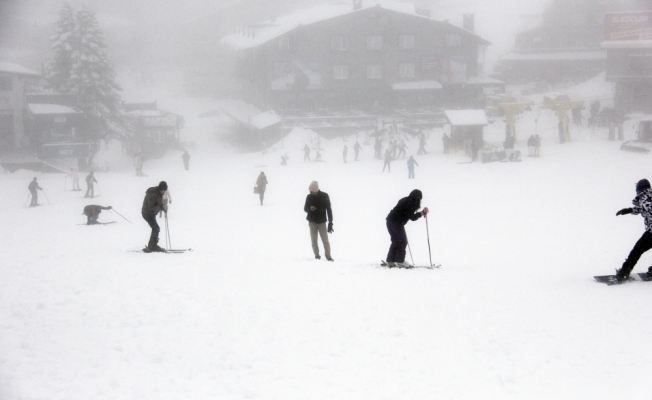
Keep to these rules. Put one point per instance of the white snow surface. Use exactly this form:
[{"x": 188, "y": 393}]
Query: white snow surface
[{"x": 513, "y": 313}]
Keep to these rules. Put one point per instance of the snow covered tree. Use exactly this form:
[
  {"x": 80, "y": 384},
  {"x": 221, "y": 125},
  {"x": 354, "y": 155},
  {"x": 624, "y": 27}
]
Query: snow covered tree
[{"x": 57, "y": 69}]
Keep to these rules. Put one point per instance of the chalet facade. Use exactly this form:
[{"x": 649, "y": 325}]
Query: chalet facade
[
  {"x": 154, "y": 131},
  {"x": 372, "y": 59},
  {"x": 15, "y": 81}
]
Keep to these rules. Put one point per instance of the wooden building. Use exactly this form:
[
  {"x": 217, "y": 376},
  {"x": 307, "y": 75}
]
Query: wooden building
[
  {"x": 154, "y": 131},
  {"x": 15, "y": 81},
  {"x": 359, "y": 56}
]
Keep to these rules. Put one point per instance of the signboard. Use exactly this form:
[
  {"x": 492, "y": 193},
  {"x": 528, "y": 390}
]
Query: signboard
[
  {"x": 628, "y": 26},
  {"x": 65, "y": 150},
  {"x": 160, "y": 121}
]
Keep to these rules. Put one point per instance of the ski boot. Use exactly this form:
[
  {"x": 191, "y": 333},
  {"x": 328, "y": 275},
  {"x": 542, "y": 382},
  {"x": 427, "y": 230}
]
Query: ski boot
[
  {"x": 403, "y": 264},
  {"x": 621, "y": 276}
]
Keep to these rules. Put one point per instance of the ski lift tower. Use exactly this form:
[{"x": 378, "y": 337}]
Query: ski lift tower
[
  {"x": 562, "y": 103},
  {"x": 511, "y": 106}
]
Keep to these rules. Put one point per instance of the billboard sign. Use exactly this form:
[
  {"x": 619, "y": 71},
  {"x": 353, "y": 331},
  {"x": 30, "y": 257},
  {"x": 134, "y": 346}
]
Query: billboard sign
[
  {"x": 628, "y": 26},
  {"x": 65, "y": 150}
]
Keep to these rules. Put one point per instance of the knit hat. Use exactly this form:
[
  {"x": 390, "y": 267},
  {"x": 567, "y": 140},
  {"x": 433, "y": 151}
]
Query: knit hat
[
  {"x": 642, "y": 185},
  {"x": 416, "y": 194},
  {"x": 162, "y": 186},
  {"x": 314, "y": 186}
]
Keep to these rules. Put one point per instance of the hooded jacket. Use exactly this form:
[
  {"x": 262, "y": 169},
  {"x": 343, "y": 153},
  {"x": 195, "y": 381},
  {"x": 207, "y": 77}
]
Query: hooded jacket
[
  {"x": 153, "y": 202},
  {"x": 406, "y": 208}
]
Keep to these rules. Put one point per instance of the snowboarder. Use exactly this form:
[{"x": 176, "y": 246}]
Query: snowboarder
[
  {"x": 75, "y": 180},
  {"x": 152, "y": 204},
  {"x": 345, "y": 152},
  {"x": 90, "y": 187},
  {"x": 284, "y": 159},
  {"x": 261, "y": 184},
  {"x": 406, "y": 209},
  {"x": 92, "y": 212},
  {"x": 167, "y": 199},
  {"x": 356, "y": 149},
  {"x": 642, "y": 205},
  {"x": 186, "y": 159},
  {"x": 33, "y": 187},
  {"x": 318, "y": 207},
  {"x": 411, "y": 162},
  {"x": 388, "y": 160},
  {"x": 317, "y": 156},
  {"x": 306, "y": 153}
]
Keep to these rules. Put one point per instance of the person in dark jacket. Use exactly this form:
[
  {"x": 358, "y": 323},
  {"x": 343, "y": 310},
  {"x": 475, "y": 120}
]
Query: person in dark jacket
[
  {"x": 261, "y": 184},
  {"x": 318, "y": 207},
  {"x": 92, "y": 212},
  {"x": 186, "y": 159},
  {"x": 643, "y": 206},
  {"x": 33, "y": 190},
  {"x": 405, "y": 210},
  {"x": 152, "y": 204},
  {"x": 90, "y": 187}
]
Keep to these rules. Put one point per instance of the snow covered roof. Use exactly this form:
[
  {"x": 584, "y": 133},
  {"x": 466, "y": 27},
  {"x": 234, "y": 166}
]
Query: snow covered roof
[
  {"x": 262, "y": 33},
  {"x": 418, "y": 85},
  {"x": 266, "y": 119},
  {"x": 466, "y": 117},
  {"x": 626, "y": 44},
  {"x": 558, "y": 56},
  {"x": 45, "y": 109},
  {"x": 11, "y": 68},
  {"x": 248, "y": 114}
]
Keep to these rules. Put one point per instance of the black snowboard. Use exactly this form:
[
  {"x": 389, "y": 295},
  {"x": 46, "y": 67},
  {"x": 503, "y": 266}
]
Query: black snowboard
[{"x": 611, "y": 279}]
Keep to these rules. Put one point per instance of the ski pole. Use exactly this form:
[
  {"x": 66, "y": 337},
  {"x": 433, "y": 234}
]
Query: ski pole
[
  {"x": 411, "y": 258},
  {"x": 167, "y": 230},
  {"x": 428, "y": 235},
  {"x": 113, "y": 209},
  {"x": 46, "y": 196},
  {"x": 27, "y": 199}
]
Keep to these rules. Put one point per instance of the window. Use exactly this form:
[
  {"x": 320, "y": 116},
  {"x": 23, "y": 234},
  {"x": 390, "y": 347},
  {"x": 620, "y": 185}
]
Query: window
[
  {"x": 284, "y": 43},
  {"x": 406, "y": 70},
  {"x": 6, "y": 83},
  {"x": 340, "y": 72},
  {"x": 406, "y": 42},
  {"x": 374, "y": 42},
  {"x": 374, "y": 71},
  {"x": 453, "y": 40},
  {"x": 340, "y": 43}
]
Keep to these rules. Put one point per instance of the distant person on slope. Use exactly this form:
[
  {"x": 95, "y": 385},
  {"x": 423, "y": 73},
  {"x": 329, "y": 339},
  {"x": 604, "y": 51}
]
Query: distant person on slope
[
  {"x": 33, "y": 187},
  {"x": 152, "y": 204},
  {"x": 75, "y": 180},
  {"x": 90, "y": 187},
  {"x": 261, "y": 184},
  {"x": 411, "y": 162},
  {"x": 92, "y": 212},
  {"x": 405, "y": 210},
  {"x": 643, "y": 206},
  {"x": 318, "y": 207},
  {"x": 186, "y": 159}
]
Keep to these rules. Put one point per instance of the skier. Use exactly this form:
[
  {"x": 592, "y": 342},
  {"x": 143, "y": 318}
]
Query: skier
[
  {"x": 345, "y": 152},
  {"x": 356, "y": 149},
  {"x": 318, "y": 207},
  {"x": 306, "y": 153},
  {"x": 406, "y": 209},
  {"x": 33, "y": 187},
  {"x": 261, "y": 184},
  {"x": 90, "y": 179},
  {"x": 186, "y": 159},
  {"x": 642, "y": 205},
  {"x": 411, "y": 162},
  {"x": 152, "y": 204},
  {"x": 388, "y": 160},
  {"x": 167, "y": 199},
  {"x": 75, "y": 180},
  {"x": 92, "y": 212}
]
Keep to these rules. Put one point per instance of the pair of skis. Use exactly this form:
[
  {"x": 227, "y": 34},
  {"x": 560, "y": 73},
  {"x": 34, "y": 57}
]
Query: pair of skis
[{"x": 383, "y": 263}]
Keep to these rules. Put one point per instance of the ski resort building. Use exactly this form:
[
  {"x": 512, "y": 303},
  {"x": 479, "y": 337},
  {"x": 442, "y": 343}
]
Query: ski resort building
[
  {"x": 15, "y": 81},
  {"x": 154, "y": 131},
  {"x": 361, "y": 58}
]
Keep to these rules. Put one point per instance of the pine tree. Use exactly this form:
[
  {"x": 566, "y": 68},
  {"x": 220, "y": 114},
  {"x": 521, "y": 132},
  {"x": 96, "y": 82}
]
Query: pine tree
[{"x": 57, "y": 69}]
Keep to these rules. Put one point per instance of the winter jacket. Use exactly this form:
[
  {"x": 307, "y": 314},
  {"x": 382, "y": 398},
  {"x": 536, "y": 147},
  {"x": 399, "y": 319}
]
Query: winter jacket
[
  {"x": 406, "y": 209},
  {"x": 322, "y": 203},
  {"x": 92, "y": 210},
  {"x": 90, "y": 179},
  {"x": 153, "y": 202},
  {"x": 643, "y": 205},
  {"x": 261, "y": 182},
  {"x": 33, "y": 186}
]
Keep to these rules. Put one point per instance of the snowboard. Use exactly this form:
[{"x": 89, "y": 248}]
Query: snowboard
[
  {"x": 611, "y": 279},
  {"x": 384, "y": 264}
]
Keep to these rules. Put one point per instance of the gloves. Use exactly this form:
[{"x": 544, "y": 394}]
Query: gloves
[
  {"x": 330, "y": 227},
  {"x": 109, "y": 208},
  {"x": 425, "y": 211},
  {"x": 624, "y": 211}
]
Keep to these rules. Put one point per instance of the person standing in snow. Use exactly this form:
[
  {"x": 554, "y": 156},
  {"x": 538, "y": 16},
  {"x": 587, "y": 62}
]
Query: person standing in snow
[
  {"x": 261, "y": 184},
  {"x": 306, "y": 153},
  {"x": 33, "y": 187},
  {"x": 345, "y": 152},
  {"x": 284, "y": 159},
  {"x": 411, "y": 162},
  {"x": 643, "y": 206},
  {"x": 186, "y": 159},
  {"x": 90, "y": 187},
  {"x": 446, "y": 142},
  {"x": 356, "y": 149},
  {"x": 138, "y": 164},
  {"x": 75, "y": 180},
  {"x": 152, "y": 204},
  {"x": 167, "y": 199},
  {"x": 92, "y": 212},
  {"x": 388, "y": 160},
  {"x": 318, "y": 208},
  {"x": 402, "y": 147},
  {"x": 405, "y": 210},
  {"x": 422, "y": 144}
]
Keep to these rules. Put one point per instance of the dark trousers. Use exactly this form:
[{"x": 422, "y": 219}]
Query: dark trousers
[
  {"x": 399, "y": 241},
  {"x": 34, "y": 194},
  {"x": 186, "y": 164},
  {"x": 261, "y": 194},
  {"x": 90, "y": 191},
  {"x": 153, "y": 238},
  {"x": 644, "y": 244}
]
